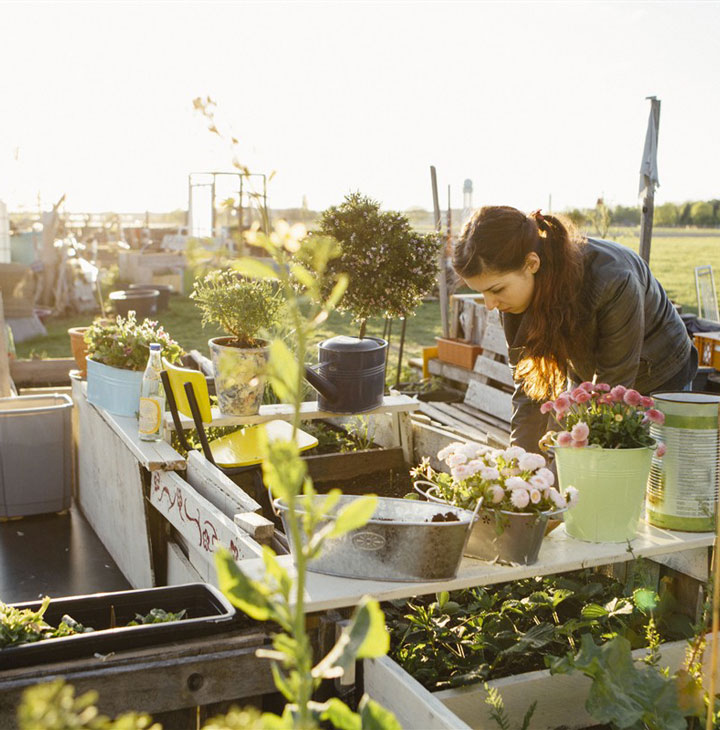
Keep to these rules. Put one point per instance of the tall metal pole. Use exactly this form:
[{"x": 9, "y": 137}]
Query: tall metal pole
[
  {"x": 442, "y": 277},
  {"x": 648, "y": 204}
]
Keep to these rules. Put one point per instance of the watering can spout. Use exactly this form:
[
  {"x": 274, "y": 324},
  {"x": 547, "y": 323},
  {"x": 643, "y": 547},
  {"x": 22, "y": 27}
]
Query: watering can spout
[{"x": 323, "y": 386}]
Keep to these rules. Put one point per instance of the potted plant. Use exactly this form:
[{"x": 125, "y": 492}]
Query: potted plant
[
  {"x": 515, "y": 489},
  {"x": 245, "y": 309},
  {"x": 117, "y": 356},
  {"x": 604, "y": 448},
  {"x": 391, "y": 267}
]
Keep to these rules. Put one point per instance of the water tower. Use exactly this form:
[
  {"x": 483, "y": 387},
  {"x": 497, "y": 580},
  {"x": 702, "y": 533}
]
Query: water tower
[{"x": 467, "y": 201}]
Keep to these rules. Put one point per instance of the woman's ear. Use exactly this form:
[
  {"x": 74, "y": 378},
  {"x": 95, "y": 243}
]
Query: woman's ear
[{"x": 532, "y": 262}]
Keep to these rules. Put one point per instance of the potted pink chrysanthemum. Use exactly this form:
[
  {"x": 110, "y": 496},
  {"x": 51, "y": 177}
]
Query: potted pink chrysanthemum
[
  {"x": 516, "y": 491},
  {"x": 604, "y": 448}
]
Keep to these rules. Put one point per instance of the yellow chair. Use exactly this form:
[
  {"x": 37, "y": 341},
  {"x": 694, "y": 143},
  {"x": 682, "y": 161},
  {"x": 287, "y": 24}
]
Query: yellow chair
[{"x": 187, "y": 393}]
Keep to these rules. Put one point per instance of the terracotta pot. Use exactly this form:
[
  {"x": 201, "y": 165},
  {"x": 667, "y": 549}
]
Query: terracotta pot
[{"x": 79, "y": 348}]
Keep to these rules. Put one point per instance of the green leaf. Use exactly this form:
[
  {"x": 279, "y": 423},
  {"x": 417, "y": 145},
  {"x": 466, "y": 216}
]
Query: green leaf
[
  {"x": 354, "y": 515},
  {"x": 303, "y": 276},
  {"x": 364, "y": 638},
  {"x": 341, "y": 716},
  {"x": 283, "y": 469},
  {"x": 375, "y": 717},
  {"x": 593, "y": 611},
  {"x": 281, "y": 683},
  {"x": 276, "y": 571},
  {"x": 338, "y": 291},
  {"x": 283, "y": 371},
  {"x": 442, "y": 598},
  {"x": 646, "y": 600},
  {"x": 254, "y": 269},
  {"x": 250, "y": 597}
]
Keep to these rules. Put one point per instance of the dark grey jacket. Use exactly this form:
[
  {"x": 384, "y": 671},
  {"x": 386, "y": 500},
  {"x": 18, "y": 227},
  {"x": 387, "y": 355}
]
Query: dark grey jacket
[{"x": 640, "y": 340}]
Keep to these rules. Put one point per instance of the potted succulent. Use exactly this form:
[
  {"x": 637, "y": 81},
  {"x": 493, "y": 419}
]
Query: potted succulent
[
  {"x": 605, "y": 449},
  {"x": 391, "y": 266},
  {"x": 117, "y": 356},
  {"x": 245, "y": 309},
  {"x": 515, "y": 488}
]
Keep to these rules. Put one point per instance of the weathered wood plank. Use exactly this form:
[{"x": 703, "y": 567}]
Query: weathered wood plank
[
  {"x": 179, "y": 568},
  {"x": 308, "y": 411},
  {"x": 325, "y": 467},
  {"x": 489, "y": 399},
  {"x": 469, "y": 430},
  {"x": 257, "y": 526},
  {"x": 494, "y": 339},
  {"x": 163, "y": 678},
  {"x": 494, "y": 370},
  {"x": 50, "y": 371},
  {"x": 412, "y": 704},
  {"x": 216, "y": 487},
  {"x": 197, "y": 520},
  {"x": 110, "y": 493}
]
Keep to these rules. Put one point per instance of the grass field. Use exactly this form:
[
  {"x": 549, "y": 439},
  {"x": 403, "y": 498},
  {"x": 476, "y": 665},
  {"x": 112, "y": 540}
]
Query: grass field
[{"x": 673, "y": 256}]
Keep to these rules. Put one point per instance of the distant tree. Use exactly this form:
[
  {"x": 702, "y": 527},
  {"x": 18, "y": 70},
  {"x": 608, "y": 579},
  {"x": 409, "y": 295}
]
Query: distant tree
[
  {"x": 667, "y": 214},
  {"x": 701, "y": 214},
  {"x": 626, "y": 215},
  {"x": 577, "y": 217},
  {"x": 685, "y": 214}
]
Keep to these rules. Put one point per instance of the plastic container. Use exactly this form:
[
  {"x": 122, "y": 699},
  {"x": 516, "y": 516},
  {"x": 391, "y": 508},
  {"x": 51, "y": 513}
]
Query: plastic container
[
  {"x": 611, "y": 485},
  {"x": 114, "y": 389},
  {"x": 456, "y": 352},
  {"x": 165, "y": 290},
  {"x": 683, "y": 487},
  {"x": 35, "y": 454},
  {"x": 144, "y": 302},
  {"x": 207, "y": 612}
]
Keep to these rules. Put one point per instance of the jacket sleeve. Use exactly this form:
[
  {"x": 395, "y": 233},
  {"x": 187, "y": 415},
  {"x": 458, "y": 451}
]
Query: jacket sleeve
[
  {"x": 527, "y": 425},
  {"x": 620, "y": 331}
]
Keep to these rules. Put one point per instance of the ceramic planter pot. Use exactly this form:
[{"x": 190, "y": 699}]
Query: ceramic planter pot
[
  {"x": 239, "y": 376},
  {"x": 79, "y": 347},
  {"x": 114, "y": 389},
  {"x": 611, "y": 485}
]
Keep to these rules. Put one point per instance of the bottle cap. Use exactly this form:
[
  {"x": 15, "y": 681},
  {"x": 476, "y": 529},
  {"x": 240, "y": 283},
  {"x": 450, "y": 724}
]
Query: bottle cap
[{"x": 155, "y": 346}]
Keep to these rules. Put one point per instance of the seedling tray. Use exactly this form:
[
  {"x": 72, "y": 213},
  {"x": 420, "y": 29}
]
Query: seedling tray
[{"x": 207, "y": 612}]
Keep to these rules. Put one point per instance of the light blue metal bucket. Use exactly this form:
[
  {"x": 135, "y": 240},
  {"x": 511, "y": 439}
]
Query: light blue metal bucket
[{"x": 114, "y": 389}]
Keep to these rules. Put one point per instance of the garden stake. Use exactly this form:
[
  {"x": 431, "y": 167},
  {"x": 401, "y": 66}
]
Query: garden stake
[
  {"x": 402, "y": 345},
  {"x": 715, "y": 608}
]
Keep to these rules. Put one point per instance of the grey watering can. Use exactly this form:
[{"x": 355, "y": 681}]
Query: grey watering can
[{"x": 350, "y": 374}]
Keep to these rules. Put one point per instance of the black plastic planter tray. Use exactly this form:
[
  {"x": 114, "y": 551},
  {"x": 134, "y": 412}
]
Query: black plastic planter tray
[{"x": 207, "y": 612}]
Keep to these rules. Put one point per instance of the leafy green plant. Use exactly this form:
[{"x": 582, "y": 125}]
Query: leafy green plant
[
  {"x": 498, "y": 713},
  {"x": 24, "y": 626},
  {"x": 157, "y": 616},
  {"x": 481, "y": 634},
  {"x": 125, "y": 343},
  {"x": 245, "y": 308},
  {"x": 391, "y": 266}
]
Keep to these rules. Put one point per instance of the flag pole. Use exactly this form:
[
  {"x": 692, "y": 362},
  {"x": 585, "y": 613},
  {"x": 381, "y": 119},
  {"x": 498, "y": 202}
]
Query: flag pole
[{"x": 648, "y": 204}]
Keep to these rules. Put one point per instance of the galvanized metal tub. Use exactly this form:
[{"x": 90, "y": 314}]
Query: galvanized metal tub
[
  {"x": 501, "y": 536},
  {"x": 682, "y": 489},
  {"x": 399, "y": 542}
]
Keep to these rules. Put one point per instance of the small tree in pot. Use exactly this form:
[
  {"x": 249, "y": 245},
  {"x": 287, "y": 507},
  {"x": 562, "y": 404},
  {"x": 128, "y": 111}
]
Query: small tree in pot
[
  {"x": 391, "y": 267},
  {"x": 246, "y": 309}
]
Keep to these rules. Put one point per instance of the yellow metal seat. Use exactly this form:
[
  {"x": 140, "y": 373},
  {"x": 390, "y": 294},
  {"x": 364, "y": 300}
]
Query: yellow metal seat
[{"x": 235, "y": 451}]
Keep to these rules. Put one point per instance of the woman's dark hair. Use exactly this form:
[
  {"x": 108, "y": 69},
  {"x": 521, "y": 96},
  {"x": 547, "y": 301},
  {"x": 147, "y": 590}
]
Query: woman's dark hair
[{"x": 499, "y": 238}]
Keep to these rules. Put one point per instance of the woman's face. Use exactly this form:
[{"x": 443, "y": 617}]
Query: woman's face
[{"x": 511, "y": 291}]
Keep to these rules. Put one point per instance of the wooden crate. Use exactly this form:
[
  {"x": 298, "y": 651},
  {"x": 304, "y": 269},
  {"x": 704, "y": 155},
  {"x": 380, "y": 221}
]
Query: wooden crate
[{"x": 708, "y": 347}]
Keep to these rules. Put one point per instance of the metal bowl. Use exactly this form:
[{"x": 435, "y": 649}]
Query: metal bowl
[{"x": 398, "y": 543}]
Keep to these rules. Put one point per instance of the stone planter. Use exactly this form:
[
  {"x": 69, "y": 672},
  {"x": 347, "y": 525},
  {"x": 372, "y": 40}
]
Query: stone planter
[{"x": 239, "y": 376}]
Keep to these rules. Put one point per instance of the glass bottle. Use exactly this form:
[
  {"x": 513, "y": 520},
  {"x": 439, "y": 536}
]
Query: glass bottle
[{"x": 152, "y": 398}]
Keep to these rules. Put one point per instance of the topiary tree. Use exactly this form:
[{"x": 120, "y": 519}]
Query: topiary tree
[{"x": 390, "y": 266}]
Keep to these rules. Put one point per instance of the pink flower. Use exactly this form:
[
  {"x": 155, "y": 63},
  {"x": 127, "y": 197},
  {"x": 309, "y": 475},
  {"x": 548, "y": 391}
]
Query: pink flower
[
  {"x": 603, "y": 387},
  {"x": 632, "y": 397},
  {"x": 531, "y": 462},
  {"x": 547, "y": 475},
  {"x": 489, "y": 474},
  {"x": 587, "y": 385},
  {"x": 580, "y": 431},
  {"x": 617, "y": 393},
  {"x": 496, "y": 494},
  {"x": 556, "y": 498},
  {"x": 455, "y": 460},
  {"x": 579, "y": 391},
  {"x": 460, "y": 472},
  {"x": 537, "y": 482},
  {"x": 564, "y": 438},
  {"x": 546, "y": 407},
  {"x": 580, "y": 444},
  {"x": 520, "y": 498},
  {"x": 647, "y": 402},
  {"x": 562, "y": 403},
  {"x": 516, "y": 483},
  {"x": 661, "y": 449},
  {"x": 655, "y": 416},
  {"x": 582, "y": 397}
]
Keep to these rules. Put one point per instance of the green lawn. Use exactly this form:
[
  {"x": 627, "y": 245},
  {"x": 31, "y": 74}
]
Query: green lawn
[{"x": 673, "y": 257}]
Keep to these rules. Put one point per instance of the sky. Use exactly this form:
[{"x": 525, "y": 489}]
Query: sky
[{"x": 528, "y": 100}]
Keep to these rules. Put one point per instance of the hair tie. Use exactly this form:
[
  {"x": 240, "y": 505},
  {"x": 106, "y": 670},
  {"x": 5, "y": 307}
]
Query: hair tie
[{"x": 537, "y": 216}]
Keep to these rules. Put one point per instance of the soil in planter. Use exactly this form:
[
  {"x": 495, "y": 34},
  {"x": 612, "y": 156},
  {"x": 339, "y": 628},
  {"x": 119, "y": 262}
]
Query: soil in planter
[
  {"x": 445, "y": 517},
  {"x": 464, "y": 637}
]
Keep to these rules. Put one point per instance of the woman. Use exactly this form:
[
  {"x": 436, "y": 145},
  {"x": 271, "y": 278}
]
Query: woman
[{"x": 573, "y": 309}]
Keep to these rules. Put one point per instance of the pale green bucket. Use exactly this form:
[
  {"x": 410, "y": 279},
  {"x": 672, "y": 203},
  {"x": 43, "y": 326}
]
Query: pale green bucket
[{"x": 611, "y": 490}]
